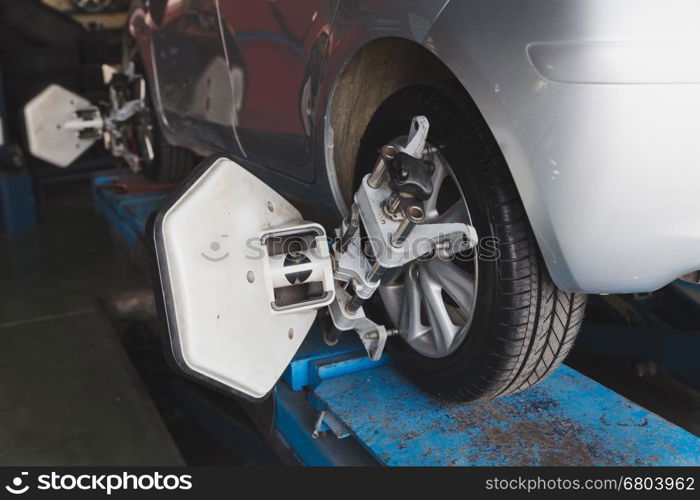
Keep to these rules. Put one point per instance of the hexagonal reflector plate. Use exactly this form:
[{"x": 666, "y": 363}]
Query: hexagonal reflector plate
[{"x": 215, "y": 295}]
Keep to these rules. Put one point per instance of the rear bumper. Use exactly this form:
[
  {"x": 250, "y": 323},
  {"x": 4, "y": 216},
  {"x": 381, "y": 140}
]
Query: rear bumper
[
  {"x": 599, "y": 121},
  {"x": 617, "y": 179}
]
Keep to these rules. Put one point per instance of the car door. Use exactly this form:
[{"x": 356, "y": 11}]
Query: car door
[
  {"x": 194, "y": 72},
  {"x": 281, "y": 45}
]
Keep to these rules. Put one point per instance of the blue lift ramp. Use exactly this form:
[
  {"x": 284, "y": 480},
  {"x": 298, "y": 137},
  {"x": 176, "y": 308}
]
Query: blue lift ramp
[
  {"x": 335, "y": 407},
  {"x": 566, "y": 420}
]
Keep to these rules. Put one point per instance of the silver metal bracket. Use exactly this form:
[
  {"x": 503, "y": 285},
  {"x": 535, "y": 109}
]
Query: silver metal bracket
[
  {"x": 298, "y": 269},
  {"x": 397, "y": 236},
  {"x": 116, "y": 128},
  {"x": 417, "y": 137},
  {"x": 423, "y": 238},
  {"x": 351, "y": 266},
  {"x": 126, "y": 111},
  {"x": 372, "y": 335}
]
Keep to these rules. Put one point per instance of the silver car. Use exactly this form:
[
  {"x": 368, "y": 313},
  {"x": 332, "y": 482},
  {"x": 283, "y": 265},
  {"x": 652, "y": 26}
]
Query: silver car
[{"x": 564, "y": 131}]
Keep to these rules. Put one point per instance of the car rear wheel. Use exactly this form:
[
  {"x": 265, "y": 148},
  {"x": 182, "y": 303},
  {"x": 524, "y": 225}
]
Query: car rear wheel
[
  {"x": 159, "y": 160},
  {"x": 486, "y": 324}
]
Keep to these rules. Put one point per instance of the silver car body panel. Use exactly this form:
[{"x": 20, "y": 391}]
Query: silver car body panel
[{"x": 594, "y": 104}]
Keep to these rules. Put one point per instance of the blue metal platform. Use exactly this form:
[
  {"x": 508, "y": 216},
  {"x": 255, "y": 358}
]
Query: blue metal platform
[
  {"x": 568, "y": 419},
  {"x": 372, "y": 414},
  {"x": 127, "y": 213}
]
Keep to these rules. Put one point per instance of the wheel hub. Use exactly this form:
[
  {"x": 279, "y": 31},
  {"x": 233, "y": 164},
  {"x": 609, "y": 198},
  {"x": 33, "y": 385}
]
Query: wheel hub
[{"x": 433, "y": 300}]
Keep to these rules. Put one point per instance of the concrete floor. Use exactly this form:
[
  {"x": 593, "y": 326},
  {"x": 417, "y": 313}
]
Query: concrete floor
[{"x": 68, "y": 393}]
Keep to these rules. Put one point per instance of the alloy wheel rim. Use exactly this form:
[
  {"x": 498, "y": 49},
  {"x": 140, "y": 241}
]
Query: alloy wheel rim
[{"x": 432, "y": 301}]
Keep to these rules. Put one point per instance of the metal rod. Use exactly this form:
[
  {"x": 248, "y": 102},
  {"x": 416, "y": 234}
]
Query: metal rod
[
  {"x": 399, "y": 237},
  {"x": 414, "y": 215},
  {"x": 392, "y": 205},
  {"x": 375, "y": 274},
  {"x": 388, "y": 155},
  {"x": 353, "y": 226},
  {"x": 355, "y": 304},
  {"x": 331, "y": 335}
]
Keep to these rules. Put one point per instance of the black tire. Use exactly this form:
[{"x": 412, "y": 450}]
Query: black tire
[
  {"x": 171, "y": 163},
  {"x": 523, "y": 325}
]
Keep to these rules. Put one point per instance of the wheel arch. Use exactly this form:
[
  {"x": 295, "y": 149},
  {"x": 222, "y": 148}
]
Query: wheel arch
[
  {"x": 375, "y": 71},
  {"x": 385, "y": 65}
]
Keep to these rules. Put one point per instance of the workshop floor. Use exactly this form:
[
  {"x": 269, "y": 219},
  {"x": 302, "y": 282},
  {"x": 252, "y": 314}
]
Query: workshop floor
[{"x": 68, "y": 394}]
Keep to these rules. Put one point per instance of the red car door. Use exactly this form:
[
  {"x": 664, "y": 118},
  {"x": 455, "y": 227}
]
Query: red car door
[{"x": 279, "y": 46}]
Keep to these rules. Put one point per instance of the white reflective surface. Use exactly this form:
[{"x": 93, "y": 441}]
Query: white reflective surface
[{"x": 216, "y": 286}]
